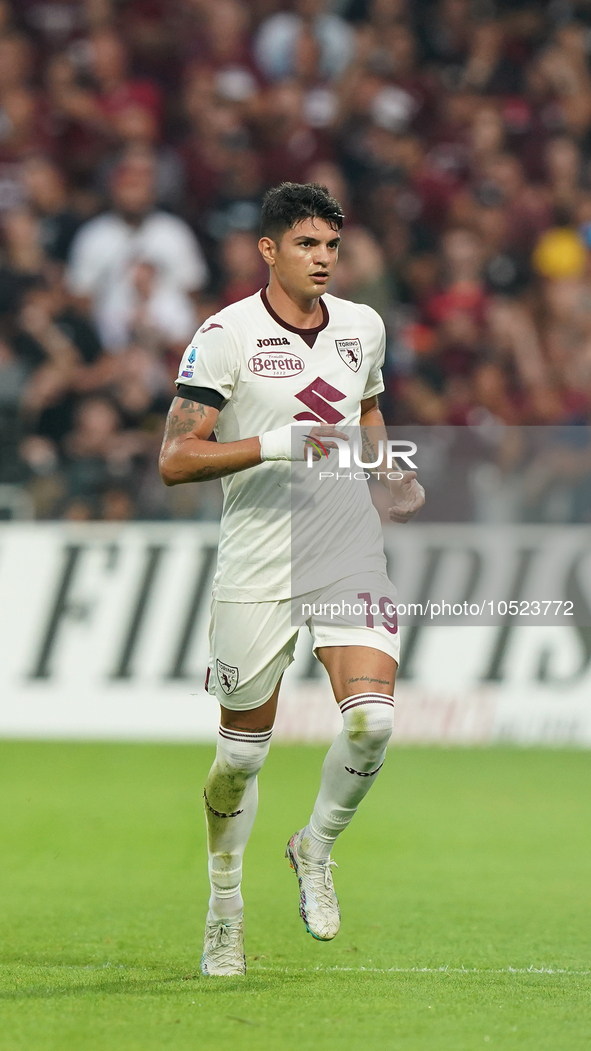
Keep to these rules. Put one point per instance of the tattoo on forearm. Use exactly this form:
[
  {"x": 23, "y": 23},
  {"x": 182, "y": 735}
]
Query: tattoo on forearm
[
  {"x": 367, "y": 678},
  {"x": 200, "y": 410},
  {"x": 210, "y": 472},
  {"x": 177, "y": 425},
  {"x": 368, "y": 447}
]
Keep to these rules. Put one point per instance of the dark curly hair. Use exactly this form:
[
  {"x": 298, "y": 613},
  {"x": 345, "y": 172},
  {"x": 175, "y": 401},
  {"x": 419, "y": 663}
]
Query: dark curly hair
[{"x": 290, "y": 202}]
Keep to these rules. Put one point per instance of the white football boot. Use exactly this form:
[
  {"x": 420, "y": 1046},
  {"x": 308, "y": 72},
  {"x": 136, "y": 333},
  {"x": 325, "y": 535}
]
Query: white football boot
[
  {"x": 223, "y": 947},
  {"x": 319, "y": 907}
]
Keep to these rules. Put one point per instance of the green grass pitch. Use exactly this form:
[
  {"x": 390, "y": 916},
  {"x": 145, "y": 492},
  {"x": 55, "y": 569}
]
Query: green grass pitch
[{"x": 465, "y": 885}]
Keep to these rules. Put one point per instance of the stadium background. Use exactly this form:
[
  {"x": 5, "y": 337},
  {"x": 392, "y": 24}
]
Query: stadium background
[
  {"x": 456, "y": 134},
  {"x": 136, "y": 141},
  {"x": 137, "y": 138}
]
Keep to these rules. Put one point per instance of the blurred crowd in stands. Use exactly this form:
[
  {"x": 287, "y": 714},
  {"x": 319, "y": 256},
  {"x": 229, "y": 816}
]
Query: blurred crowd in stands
[{"x": 137, "y": 138}]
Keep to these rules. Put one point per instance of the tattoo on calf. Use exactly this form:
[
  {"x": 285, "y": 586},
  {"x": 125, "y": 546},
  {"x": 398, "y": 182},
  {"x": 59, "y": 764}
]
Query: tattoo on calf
[{"x": 367, "y": 678}]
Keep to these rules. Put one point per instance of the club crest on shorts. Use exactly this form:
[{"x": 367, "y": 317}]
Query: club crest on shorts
[
  {"x": 227, "y": 676},
  {"x": 351, "y": 352}
]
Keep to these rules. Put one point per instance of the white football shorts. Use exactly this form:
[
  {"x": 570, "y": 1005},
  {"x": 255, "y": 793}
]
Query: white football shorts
[{"x": 252, "y": 643}]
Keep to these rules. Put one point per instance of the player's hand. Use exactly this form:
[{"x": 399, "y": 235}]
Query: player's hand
[
  {"x": 296, "y": 441},
  {"x": 408, "y": 496},
  {"x": 318, "y": 439}
]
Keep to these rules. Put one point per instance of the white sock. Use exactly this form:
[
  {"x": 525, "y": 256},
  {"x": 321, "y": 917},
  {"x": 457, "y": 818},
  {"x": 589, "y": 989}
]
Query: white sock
[
  {"x": 349, "y": 770},
  {"x": 230, "y": 807}
]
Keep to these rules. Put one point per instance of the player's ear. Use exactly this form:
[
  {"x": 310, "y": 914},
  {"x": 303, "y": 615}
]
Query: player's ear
[{"x": 268, "y": 250}]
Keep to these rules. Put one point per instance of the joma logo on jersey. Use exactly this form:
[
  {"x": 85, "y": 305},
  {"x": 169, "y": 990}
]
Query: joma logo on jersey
[
  {"x": 275, "y": 341},
  {"x": 276, "y": 365}
]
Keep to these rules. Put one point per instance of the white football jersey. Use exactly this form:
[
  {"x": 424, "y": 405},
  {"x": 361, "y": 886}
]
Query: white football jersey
[{"x": 270, "y": 376}]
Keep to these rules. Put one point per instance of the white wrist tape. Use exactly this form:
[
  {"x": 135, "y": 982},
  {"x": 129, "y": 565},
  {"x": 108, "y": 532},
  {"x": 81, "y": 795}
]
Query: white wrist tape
[{"x": 285, "y": 443}]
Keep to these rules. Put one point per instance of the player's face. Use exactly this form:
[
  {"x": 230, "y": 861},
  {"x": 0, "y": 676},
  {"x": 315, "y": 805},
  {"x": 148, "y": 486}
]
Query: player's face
[{"x": 305, "y": 258}]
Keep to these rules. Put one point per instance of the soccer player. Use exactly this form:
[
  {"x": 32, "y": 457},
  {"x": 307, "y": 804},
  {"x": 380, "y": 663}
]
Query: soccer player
[{"x": 272, "y": 376}]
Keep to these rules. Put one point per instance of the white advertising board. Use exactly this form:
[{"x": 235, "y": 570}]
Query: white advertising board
[{"x": 103, "y": 634}]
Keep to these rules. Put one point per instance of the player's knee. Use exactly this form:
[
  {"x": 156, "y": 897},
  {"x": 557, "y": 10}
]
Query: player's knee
[
  {"x": 371, "y": 744},
  {"x": 369, "y": 727},
  {"x": 248, "y": 759},
  {"x": 243, "y": 751}
]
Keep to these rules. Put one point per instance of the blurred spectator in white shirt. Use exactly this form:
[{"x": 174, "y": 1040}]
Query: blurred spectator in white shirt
[
  {"x": 106, "y": 250},
  {"x": 149, "y": 309},
  {"x": 276, "y": 43}
]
